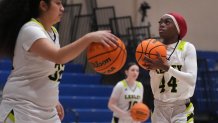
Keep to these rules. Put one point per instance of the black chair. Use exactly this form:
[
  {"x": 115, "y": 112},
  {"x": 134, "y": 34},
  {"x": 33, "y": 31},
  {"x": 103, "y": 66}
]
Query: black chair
[
  {"x": 64, "y": 2},
  {"x": 140, "y": 32},
  {"x": 102, "y": 17},
  {"x": 68, "y": 22},
  {"x": 91, "y": 5},
  {"x": 83, "y": 25},
  {"x": 120, "y": 26}
]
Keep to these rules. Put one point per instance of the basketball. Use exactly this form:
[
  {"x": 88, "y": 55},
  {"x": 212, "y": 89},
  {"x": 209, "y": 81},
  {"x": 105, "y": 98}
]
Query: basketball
[
  {"x": 140, "y": 112},
  {"x": 107, "y": 60},
  {"x": 149, "y": 48}
]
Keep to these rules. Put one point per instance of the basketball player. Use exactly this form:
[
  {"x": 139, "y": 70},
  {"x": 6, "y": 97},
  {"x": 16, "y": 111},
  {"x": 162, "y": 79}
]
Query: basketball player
[
  {"x": 173, "y": 81},
  {"x": 28, "y": 37},
  {"x": 125, "y": 94}
]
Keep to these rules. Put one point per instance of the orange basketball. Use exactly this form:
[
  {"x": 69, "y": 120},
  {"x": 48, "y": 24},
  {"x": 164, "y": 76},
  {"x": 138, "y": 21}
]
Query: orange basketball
[
  {"x": 150, "y": 48},
  {"x": 140, "y": 112},
  {"x": 107, "y": 60}
]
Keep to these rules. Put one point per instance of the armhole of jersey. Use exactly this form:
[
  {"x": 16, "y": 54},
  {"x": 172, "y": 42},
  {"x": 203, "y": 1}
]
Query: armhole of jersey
[{"x": 181, "y": 45}]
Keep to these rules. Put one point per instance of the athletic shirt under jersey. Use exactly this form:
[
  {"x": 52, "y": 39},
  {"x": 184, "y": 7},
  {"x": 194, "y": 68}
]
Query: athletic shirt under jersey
[
  {"x": 127, "y": 96},
  {"x": 33, "y": 78},
  {"x": 165, "y": 86}
]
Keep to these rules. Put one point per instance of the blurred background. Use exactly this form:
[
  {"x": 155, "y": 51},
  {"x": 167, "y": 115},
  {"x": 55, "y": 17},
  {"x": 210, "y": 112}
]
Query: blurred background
[{"x": 84, "y": 93}]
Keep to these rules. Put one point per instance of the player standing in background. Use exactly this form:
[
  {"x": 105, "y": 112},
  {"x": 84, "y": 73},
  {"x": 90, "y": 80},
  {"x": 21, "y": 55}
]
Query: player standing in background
[
  {"x": 125, "y": 94},
  {"x": 173, "y": 81},
  {"x": 28, "y": 37}
]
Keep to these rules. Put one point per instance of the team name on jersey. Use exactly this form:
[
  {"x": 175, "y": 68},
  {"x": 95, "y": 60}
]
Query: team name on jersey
[
  {"x": 132, "y": 97},
  {"x": 178, "y": 67}
]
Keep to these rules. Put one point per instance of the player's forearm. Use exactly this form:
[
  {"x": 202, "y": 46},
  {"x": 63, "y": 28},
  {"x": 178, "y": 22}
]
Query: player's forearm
[
  {"x": 187, "y": 77},
  {"x": 117, "y": 110},
  {"x": 71, "y": 51}
]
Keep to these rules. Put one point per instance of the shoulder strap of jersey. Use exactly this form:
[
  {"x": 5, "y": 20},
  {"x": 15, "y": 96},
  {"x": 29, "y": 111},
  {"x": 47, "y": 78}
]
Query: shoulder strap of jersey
[
  {"x": 54, "y": 29},
  {"x": 181, "y": 45},
  {"x": 138, "y": 84},
  {"x": 34, "y": 20}
]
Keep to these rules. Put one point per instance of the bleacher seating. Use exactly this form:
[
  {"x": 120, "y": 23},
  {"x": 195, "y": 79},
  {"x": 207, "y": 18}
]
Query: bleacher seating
[
  {"x": 80, "y": 78},
  {"x": 85, "y": 90},
  {"x": 73, "y": 68},
  {"x": 3, "y": 77},
  {"x": 89, "y": 116},
  {"x": 84, "y": 98},
  {"x": 5, "y": 65},
  {"x": 80, "y": 93},
  {"x": 205, "y": 97},
  {"x": 84, "y": 102}
]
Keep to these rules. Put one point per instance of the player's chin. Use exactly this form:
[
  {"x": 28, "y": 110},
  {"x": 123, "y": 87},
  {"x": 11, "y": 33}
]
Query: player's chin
[
  {"x": 57, "y": 21},
  {"x": 162, "y": 34},
  {"x": 58, "y": 18},
  {"x": 135, "y": 77}
]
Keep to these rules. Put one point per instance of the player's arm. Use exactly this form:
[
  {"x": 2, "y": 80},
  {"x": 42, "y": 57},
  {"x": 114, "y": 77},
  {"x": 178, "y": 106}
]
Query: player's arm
[
  {"x": 190, "y": 75},
  {"x": 112, "y": 103},
  {"x": 60, "y": 110},
  {"x": 142, "y": 93},
  {"x": 46, "y": 49}
]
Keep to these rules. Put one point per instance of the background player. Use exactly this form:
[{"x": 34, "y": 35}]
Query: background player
[{"x": 125, "y": 94}]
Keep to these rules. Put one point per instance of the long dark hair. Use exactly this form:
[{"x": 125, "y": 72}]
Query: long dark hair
[
  {"x": 128, "y": 65},
  {"x": 15, "y": 13}
]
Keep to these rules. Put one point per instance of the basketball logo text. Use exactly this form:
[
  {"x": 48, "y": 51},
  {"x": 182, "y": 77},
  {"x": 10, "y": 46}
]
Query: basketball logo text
[{"x": 101, "y": 63}]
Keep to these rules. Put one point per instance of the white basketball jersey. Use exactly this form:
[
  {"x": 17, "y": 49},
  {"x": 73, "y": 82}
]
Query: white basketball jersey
[
  {"x": 127, "y": 96},
  {"x": 168, "y": 88},
  {"x": 33, "y": 78}
]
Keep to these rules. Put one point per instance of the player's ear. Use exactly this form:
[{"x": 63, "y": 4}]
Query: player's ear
[
  {"x": 126, "y": 72},
  {"x": 43, "y": 6}
]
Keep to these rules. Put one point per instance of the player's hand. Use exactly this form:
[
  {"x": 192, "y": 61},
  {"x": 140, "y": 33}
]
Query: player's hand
[
  {"x": 156, "y": 64},
  {"x": 124, "y": 114},
  {"x": 149, "y": 63},
  {"x": 60, "y": 111},
  {"x": 105, "y": 37}
]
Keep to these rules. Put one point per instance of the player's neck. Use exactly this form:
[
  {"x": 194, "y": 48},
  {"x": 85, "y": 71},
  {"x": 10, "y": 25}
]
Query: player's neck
[
  {"x": 172, "y": 40},
  {"x": 47, "y": 26},
  {"x": 130, "y": 82}
]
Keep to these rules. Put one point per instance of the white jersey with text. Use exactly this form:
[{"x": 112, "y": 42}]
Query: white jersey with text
[
  {"x": 127, "y": 96},
  {"x": 34, "y": 81},
  {"x": 178, "y": 83}
]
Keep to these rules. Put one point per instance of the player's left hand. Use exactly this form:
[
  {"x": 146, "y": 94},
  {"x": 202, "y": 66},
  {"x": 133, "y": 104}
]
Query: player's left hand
[
  {"x": 60, "y": 111},
  {"x": 156, "y": 64}
]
